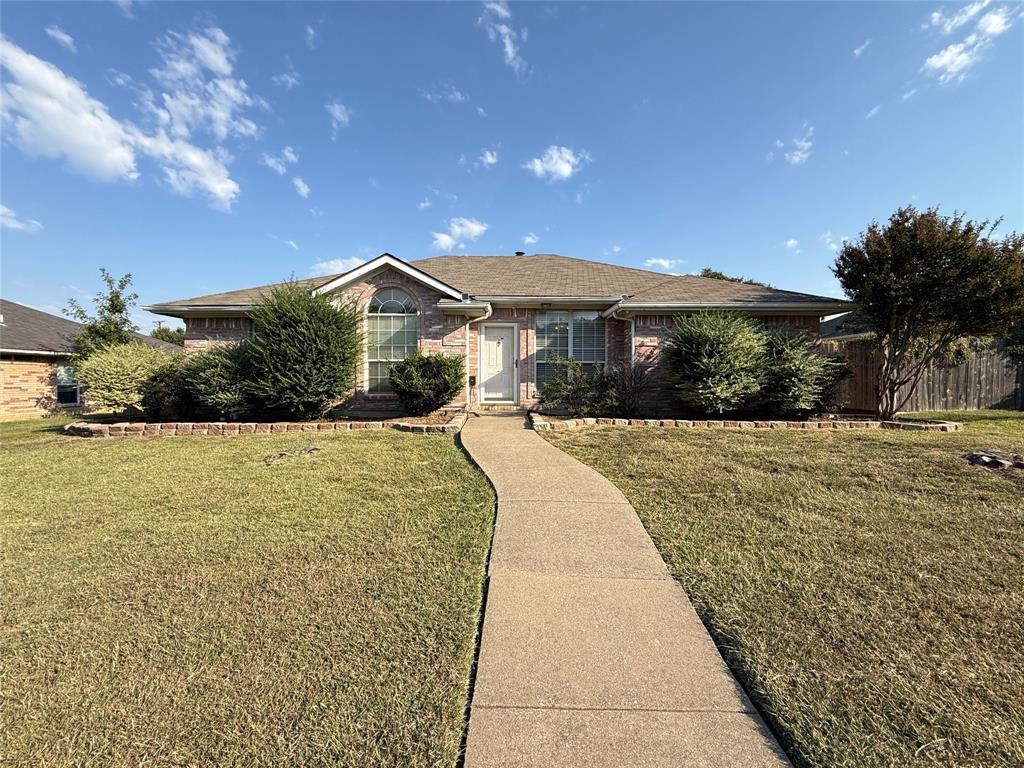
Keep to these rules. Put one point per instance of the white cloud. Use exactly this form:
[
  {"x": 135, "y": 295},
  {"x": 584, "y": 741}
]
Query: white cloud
[
  {"x": 861, "y": 48},
  {"x": 279, "y": 163},
  {"x": 495, "y": 20},
  {"x": 481, "y": 111},
  {"x": 289, "y": 79},
  {"x": 335, "y": 266},
  {"x": 301, "y": 187},
  {"x": 994, "y": 23},
  {"x": 909, "y": 94},
  {"x": 802, "y": 146},
  {"x": 664, "y": 265},
  {"x": 62, "y": 37},
  {"x": 460, "y": 230},
  {"x": 197, "y": 89},
  {"x": 613, "y": 249},
  {"x": 791, "y": 244},
  {"x": 954, "y": 61},
  {"x": 312, "y": 36},
  {"x": 873, "y": 111},
  {"x": 316, "y": 212},
  {"x": 832, "y": 244},
  {"x": 340, "y": 116},
  {"x": 557, "y": 163},
  {"x": 290, "y": 243},
  {"x": 45, "y": 112},
  {"x": 950, "y": 24},
  {"x": 127, "y": 7},
  {"x": 488, "y": 157},
  {"x": 424, "y": 204},
  {"x": 188, "y": 169},
  {"x": 530, "y": 239},
  {"x": 446, "y": 91},
  {"x": 8, "y": 220}
]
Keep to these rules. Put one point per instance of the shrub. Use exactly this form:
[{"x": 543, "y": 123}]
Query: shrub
[
  {"x": 424, "y": 383},
  {"x": 304, "y": 353},
  {"x": 794, "y": 375},
  {"x": 628, "y": 385},
  {"x": 215, "y": 381},
  {"x": 836, "y": 369},
  {"x": 165, "y": 394},
  {"x": 576, "y": 390},
  {"x": 114, "y": 377},
  {"x": 715, "y": 360}
]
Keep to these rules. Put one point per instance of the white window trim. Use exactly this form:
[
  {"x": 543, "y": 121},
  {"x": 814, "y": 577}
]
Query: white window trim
[
  {"x": 366, "y": 346},
  {"x": 481, "y": 390}
]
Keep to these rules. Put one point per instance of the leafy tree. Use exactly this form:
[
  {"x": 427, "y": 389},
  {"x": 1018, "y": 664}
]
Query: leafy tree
[
  {"x": 923, "y": 281},
  {"x": 115, "y": 376},
  {"x": 424, "y": 383},
  {"x": 170, "y": 335},
  {"x": 716, "y": 360},
  {"x": 716, "y": 275},
  {"x": 304, "y": 351},
  {"x": 112, "y": 322}
]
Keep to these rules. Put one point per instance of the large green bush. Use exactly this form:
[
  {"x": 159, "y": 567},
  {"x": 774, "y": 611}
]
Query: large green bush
[
  {"x": 215, "y": 381},
  {"x": 165, "y": 395},
  {"x": 716, "y": 360},
  {"x": 304, "y": 352},
  {"x": 114, "y": 377},
  {"x": 424, "y": 383},
  {"x": 577, "y": 391},
  {"x": 794, "y": 375}
]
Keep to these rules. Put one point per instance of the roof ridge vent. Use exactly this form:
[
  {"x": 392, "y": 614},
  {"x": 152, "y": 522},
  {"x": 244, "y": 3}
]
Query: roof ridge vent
[{"x": 520, "y": 253}]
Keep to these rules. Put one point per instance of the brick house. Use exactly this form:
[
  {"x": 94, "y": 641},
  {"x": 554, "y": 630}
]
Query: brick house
[
  {"x": 507, "y": 316},
  {"x": 36, "y": 378}
]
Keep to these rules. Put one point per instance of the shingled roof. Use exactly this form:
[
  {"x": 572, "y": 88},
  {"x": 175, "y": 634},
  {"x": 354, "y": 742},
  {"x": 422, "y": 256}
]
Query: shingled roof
[
  {"x": 25, "y": 330},
  {"x": 549, "y": 275}
]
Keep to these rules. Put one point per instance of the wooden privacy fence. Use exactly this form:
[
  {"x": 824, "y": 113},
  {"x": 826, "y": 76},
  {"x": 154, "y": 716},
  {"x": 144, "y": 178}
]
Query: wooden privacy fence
[{"x": 987, "y": 379}]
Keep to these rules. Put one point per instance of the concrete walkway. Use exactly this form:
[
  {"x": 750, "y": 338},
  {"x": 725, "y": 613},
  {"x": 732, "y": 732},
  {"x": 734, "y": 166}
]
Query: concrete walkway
[{"x": 591, "y": 653}]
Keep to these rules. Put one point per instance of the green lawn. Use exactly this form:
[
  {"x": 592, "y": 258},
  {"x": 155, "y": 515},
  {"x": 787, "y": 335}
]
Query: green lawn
[
  {"x": 179, "y": 602},
  {"x": 866, "y": 586}
]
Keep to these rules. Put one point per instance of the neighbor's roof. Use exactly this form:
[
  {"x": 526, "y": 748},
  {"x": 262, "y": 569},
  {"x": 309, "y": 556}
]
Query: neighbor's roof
[
  {"x": 27, "y": 330},
  {"x": 550, "y": 275},
  {"x": 847, "y": 326}
]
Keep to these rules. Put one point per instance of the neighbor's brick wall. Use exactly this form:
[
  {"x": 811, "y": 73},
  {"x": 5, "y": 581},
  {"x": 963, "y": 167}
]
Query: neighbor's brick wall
[
  {"x": 28, "y": 388},
  {"x": 206, "y": 332},
  {"x": 651, "y": 331}
]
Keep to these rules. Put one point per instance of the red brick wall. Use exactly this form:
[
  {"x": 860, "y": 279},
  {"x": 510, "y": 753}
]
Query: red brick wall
[
  {"x": 206, "y": 332},
  {"x": 28, "y": 388}
]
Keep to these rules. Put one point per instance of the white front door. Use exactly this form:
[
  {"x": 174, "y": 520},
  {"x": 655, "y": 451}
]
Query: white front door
[{"x": 498, "y": 364}]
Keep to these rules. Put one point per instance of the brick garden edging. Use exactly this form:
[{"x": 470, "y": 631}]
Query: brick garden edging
[
  {"x": 234, "y": 428},
  {"x": 540, "y": 423}
]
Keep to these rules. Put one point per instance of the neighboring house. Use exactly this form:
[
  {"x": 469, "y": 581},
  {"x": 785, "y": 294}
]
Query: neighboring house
[
  {"x": 35, "y": 377},
  {"x": 507, "y": 316},
  {"x": 849, "y": 326}
]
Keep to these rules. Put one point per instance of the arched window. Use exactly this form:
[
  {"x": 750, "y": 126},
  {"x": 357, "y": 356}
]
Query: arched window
[{"x": 391, "y": 330}]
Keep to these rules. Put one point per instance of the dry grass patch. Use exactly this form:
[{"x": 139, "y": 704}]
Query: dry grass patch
[
  {"x": 865, "y": 586},
  {"x": 179, "y": 602}
]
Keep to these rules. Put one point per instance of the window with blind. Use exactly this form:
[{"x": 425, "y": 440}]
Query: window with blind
[
  {"x": 560, "y": 333},
  {"x": 391, "y": 335}
]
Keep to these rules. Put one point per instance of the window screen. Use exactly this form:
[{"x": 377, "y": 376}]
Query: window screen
[{"x": 560, "y": 333}]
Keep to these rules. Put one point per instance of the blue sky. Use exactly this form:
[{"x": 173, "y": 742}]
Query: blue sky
[{"x": 206, "y": 147}]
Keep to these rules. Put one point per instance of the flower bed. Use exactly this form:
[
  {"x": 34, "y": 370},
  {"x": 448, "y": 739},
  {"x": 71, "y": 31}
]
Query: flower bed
[
  {"x": 541, "y": 422},
  {"x": 233, "y": 428}
]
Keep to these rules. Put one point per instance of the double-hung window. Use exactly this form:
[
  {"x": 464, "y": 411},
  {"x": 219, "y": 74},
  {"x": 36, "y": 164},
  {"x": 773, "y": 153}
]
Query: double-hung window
[
  {"x": 391, "y": 331},
  {"x": 67, "y": 386},
  {"x": 564, "y": 334}
]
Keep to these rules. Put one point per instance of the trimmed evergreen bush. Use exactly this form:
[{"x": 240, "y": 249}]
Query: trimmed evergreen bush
[
  {"x": 215, "y": 381},
  {"x": 574, "y": 390},
  {"x": 716, "y": 360},
  {"x": 114, "y": 377},
  {"x": 304, "y": 352},
  {"x": 424, "y": 383},
  {"x": 794, "y": 375}
]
